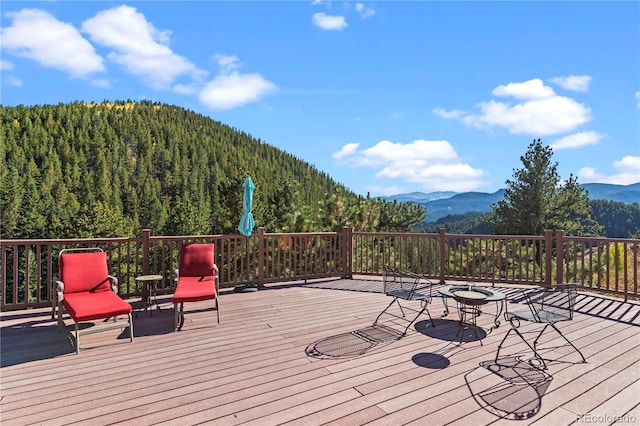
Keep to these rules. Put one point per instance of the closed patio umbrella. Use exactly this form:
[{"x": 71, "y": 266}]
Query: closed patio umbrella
[
  {"x": 246, "y": 221},
  {"x": 246, "y": 224}
]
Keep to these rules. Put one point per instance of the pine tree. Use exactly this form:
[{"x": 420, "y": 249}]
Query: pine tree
[{"x": 534, "y": 201}]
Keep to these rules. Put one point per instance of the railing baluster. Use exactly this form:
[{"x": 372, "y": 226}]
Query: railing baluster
[{"x": 605, "y": 264}]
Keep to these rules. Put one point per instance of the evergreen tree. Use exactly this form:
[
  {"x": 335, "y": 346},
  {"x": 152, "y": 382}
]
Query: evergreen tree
[{"x": 534, "y": 201}]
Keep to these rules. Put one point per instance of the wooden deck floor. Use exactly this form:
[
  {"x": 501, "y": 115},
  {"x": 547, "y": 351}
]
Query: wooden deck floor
[{"x": 307, "y": 354}]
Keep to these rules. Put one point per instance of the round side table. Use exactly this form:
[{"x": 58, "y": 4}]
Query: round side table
[{"x": 149, "y": 290}]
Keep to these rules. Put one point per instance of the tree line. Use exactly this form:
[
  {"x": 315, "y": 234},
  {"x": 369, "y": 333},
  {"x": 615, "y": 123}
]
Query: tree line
[
  {"x": 111, "y": 169},
  {"x": 536, "y": 200}
]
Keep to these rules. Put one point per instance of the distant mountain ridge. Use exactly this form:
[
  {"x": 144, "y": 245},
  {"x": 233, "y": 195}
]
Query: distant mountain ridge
[{"x": 443, "y": 203}]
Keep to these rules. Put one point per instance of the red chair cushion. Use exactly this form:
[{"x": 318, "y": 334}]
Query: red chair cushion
[
  {"x": 194, "y": 289},
  {"x": 84, "y": 272},
  {"x": 196, "y": 260},
  {"x": 88, "y": 306}
]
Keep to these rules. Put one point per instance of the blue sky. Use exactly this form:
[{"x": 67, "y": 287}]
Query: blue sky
[{"x": 385, "y": 97}]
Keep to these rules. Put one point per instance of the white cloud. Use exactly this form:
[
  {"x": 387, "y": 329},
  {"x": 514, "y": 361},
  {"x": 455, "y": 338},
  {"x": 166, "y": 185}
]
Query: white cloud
[
  {"x": 13, "y": 81},
  {"x": 628, "y": 172},
  {"x": 433, "y": 165},
  {"x": 346, "y": 150},
  {"x": 577, "y": 140},
  {"x": 101, "y": 83},
  {"x": 364, "y": 11},
  {"x": 531, "y": 89},
  {"x": 138, "y": 46},
  {"x": 577, "y": 83},
  {"x": 448, "y": 115},
  {"x": 186, "y": 89},
  {"x": 538, "y": 111},
  {"x": 227, "y": 63},
  {"x": 6, "y": 65},
  {"x": 37, "y": 35},
  {"x": 231, "y": 89},
  {"x": 536, "y": 117},
  {"x": 329, "y": 22},
  {"x": 228, "y": 91}
]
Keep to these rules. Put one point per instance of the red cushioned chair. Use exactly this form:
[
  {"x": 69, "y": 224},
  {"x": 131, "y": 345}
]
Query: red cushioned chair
[
  {"x": 197, "y": 280},
  {"x": 87, "y": 291}
]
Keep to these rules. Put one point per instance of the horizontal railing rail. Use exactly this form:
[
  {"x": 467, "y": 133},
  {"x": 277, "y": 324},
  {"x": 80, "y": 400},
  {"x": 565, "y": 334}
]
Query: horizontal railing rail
[{"x": 28, "y": 267}]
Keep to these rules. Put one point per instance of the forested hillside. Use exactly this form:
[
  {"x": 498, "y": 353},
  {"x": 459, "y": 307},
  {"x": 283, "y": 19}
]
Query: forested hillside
[
  {"x": 618, "y": 220},
  {"x": 112, "y": 169}
]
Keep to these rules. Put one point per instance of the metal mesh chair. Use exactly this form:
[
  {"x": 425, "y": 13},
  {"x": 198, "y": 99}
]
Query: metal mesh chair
[
  {"x": 408, "y": 286},
  {"x": 547, "y": 306}
]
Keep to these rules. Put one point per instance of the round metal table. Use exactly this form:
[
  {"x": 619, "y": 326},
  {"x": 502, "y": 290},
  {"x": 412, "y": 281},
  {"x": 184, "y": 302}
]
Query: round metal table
[
  {"x": 491, "y": 296},
  {"x": 469, "y": 302}
]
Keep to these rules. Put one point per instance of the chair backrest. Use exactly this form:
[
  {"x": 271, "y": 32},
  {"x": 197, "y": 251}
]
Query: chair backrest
[
  {"x": 82, "y": 271},
  {"x": 196, "y": 260},
  {"x": 558, "y": 301},
  {"x": 398, "y": 282}
]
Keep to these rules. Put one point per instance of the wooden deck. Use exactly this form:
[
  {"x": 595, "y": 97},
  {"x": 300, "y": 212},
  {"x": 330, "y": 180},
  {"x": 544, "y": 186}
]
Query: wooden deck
[{"x": 307, "y": 354}]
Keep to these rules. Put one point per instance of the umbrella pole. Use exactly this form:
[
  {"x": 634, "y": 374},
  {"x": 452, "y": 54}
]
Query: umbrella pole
[
  {"x": 246, "y": 244},
  {"x": 247, "y": 286}
]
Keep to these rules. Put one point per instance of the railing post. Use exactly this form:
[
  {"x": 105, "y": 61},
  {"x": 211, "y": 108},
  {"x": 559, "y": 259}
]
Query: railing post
[
  {"x": 347, "y": 252},
  {"x": 442, "y": 234},
  {"x": 146, "y": 233},
  {"x": 548, "y": 256},
  {"x": 261, "y": 254},
  {"x": 559, "y": 256}
]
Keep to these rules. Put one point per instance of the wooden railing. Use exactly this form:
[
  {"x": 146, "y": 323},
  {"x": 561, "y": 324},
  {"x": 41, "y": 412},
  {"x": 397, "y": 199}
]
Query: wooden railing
[{"x": 28, "y": 267}]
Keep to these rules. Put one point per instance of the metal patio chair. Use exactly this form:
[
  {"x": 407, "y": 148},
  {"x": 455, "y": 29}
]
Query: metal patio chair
[
  {"x": 407, "y": 286},
  {"x": 547, "y": 306}
]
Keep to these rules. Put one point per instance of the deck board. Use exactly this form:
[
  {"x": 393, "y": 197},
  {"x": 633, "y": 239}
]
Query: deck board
[{"x": 258, "y": 366}]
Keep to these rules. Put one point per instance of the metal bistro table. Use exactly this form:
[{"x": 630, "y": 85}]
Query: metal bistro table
[
  {"x": 492, "y": 296},
  {"x": 148, "y": 291}
]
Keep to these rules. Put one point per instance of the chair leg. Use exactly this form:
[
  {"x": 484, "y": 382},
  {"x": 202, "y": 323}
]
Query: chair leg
[
  {"x": 385, "y": 310},
  {"x": 77, "y": 339},
  {"x": 175, "y": 317},
  {"x": 131, "y": 327},
  {"x": 218, "y": 310},
  {"x": 400, "y": 306},
  {"x": 178, "y": 319},
  {"x": 424, "y": 308},
  {"x": 537, "y": 355},
  {"x": 500, "y": 345},
  {"x": 60, "y": 321},
  {"x": 54, "y": 303},
  {"x": 535, "y": 342}
]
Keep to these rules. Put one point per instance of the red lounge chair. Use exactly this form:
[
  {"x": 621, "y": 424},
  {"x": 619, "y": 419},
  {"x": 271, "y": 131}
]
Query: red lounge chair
[
  {"x": 197, "y": 280},
  {"x": 88, "y": 292}
]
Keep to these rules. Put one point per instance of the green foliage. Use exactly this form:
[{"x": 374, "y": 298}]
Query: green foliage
[
  {"x": 465, "y": 223},
  {"x": 618, "y": 219},
  {"x": 534, "y": 201},
  {"x": 111, "y": 169}
]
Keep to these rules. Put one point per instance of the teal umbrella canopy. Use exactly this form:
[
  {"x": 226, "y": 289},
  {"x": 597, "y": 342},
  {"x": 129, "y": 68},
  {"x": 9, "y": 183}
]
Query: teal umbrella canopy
[{"x": 246, "y": 221}]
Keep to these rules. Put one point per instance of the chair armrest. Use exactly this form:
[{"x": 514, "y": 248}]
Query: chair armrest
[
  {"x": 114, "y": 284},
  {"x": 59, "y": 290},
  {"x": 58, "y": 301}
]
